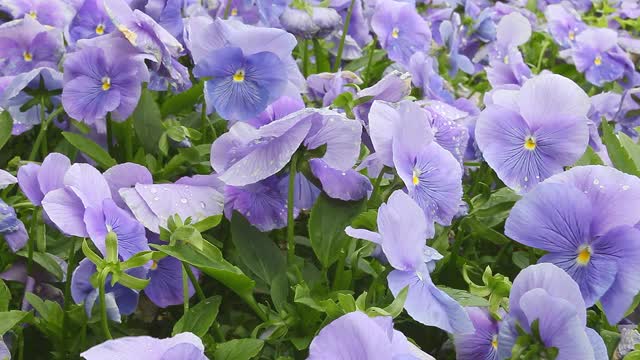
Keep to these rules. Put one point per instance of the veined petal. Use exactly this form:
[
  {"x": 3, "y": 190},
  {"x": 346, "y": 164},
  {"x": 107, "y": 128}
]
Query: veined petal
[
  {"x": 88, "y": 184},
  {"x": 66, "y": 211},
  {"x": 344, "y": 185}
]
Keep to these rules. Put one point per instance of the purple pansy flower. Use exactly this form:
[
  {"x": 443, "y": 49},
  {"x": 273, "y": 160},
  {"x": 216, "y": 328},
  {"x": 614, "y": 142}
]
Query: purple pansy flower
[
  {"x": 183, "y": 346},
  {"x": 55, "y": 13},
  {"x": 400, "y": 29},
  {"x": 507, "y": 65},
  {"x": 91, "y": 20},
  {"x": 39, "y": 281},
  {"x": 165, "y": 286},
  {"x": 450, "y": 33},
  {"x": 119, "y": 299},
  {"x": 597, "y": 54},
  {"x": 546, "y": 294},
  {"x": 98, "y": 82},
  {"x": 168, "y": 14},
  {"x": 316, "y": 21},
  {"x": 26, "y": 45},
  {"x": 241, "y": 86},
  {"x": 585, "y": 219},
  {"x": 483, "y": 343},
  {"x": 36, "y": 180},
  {"x": 564, "y": 24},
  {"x": 11, "y": 228},
  {"x": 356, "y": 336},
  {"x": 393, "y": 87},
  {"x": 279, "y": 109},
  {"x": 527, "y": 135},
  {"x": 203, "y": 35},
  {"x": 325, "y": 87},
  {"x": 402, "y": 232},
  {"x": 424, "y": 75},
  {"x": 146, "y": 35},
  {"x": 4, "y": 351},
  {"x": 16, "y": 94}
]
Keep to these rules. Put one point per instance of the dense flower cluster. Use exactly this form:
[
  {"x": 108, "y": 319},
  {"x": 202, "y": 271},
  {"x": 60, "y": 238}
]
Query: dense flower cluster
[{"x": 343, "y": 179}]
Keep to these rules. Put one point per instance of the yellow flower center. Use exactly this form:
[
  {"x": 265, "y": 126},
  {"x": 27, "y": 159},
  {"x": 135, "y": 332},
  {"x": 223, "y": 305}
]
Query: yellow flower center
[
  {"x": 584, "y": 255},
  {"x": 234, "y": 12},
  {"x": 33, "y": 14},
  {"x": 238, "y": 76},
  {"x": 154, "y": 265},
  {"x": 395, "y": 33},
  {"x": 572, "y": 35},
  {"x": 494, "y": 342},
  {"x": 27, "y": 56},
  {"x": 100, "y": 29},
  {"x": 597, "y": 60},
  {"x": 106, "y": 83},
  {"x": 530, "y": 143},
  {"x": 506, "y": 59},
  {"x": 128, "y": 34},
  {"x": 416, "y": 177}
]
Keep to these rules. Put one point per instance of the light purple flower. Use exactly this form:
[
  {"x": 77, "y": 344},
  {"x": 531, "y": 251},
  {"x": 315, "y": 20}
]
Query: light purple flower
[
  {"x": 527, "y": 135},
  {"x": 400, "y": 29},
  {"x": 483, "y": 343},
  {"x": 584, "y": 218},
  {"x": 11, "y": 228},
  {"x": 598, "y": 55},
  {"x": 356, "y": 336},
  {"x": 277, "y": 110},
  {"x": 91, "y": 20},
  {"x": 184, "y": 346},
  {"x": 393, "y": 87},
  {"x": 119, "y": 300},
  {"x": 325, "y": 87},
  {"x": 241, "y": 86},
  {"x": 55, "y": 13},
  {"x": 402, "y": 230},
  {"x": 98, "y": 82},
  {"x": 36, "y": 181},
  {"x": 546, "y": 294},
  {"x": 564, "y": 24},
  {"x": 424, "y": 75},
  {"x": 26, "y": 45},
  {"x": 450, "y": 33},
  {"x": 507, "y": 65}
]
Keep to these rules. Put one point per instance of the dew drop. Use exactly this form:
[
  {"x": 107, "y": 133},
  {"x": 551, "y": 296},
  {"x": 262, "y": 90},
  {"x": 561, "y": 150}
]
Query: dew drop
[
  {"x": 202, "y": 204},
  {"x": 154, "y": 190},
  {"x": 625, "y": 187},
  {"x": 596, "y": 181},
  {"x": 183, "y": 200},
  {"x": 156, "y": 198}
]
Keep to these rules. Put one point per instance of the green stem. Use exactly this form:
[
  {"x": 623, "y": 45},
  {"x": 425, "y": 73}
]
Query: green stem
[
  {"x": 544, "y": 49},
  {"x": 305, "y": 57},
  {"x": 376, "y": 185},
  {"x": 322, "y": 63},
  {"x": 194, "y": 281},
  {"x": 249, "y": 300},
  {"x": 291, "y": 243},
  {"x": 43, "y": 131},
  {"x": 185, "y": 289},
  {"x": 103, "y": 304},
  {"x": 71, "y": 264},
  {"x": 128, "y": 141},
  {"x": 345, "y": 29},
  {"x": 44, "y": 147},
  {"x": 227, "y": 10}
]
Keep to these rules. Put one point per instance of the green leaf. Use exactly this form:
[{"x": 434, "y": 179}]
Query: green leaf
[
  {"x": 617, "y": 153},
  {"x": 611, "y": 340},
  {"x": 329, "y": 217},
  {"x": 199, "y": 318},
  {"x": 147, "y": 122},
  {"x": 91, "y": 149},
  {"x": 9, "y": 319},
  {"x": 209, "y": 260},
  {"x": 5, "y": 296},
  {"x": 520, "y": 259},
  {"x": 258, "y": 252},
  {"x": 464, "y": 298},
  {"x": 208, "y": 223},
  {"x": 634, "y": 355},
  {"x": 303, "y": 296},
  {"x": 46, "y": 261},
  {"x": 238, "y": 349},
  {"x": 589, "y": 158},
  {"x": 632, "y": 148},
  {"x": 185, "y": 100},
  {"x": 279, "y": 291},
  {"x": 6, "y": 125},
  {"x": 394, "y": 309},
  {"x": 482, "y": 231}
]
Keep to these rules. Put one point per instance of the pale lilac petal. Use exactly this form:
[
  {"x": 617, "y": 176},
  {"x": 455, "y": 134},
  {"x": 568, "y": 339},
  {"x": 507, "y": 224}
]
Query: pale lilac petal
[
  {"x": 345, "y": 185},
  {"x": 513, "y": 30},
  {"x": 52, "y": 172},
  {"x": 364, "y": 234},
  {"x": 131, "y": 348},
  {"x": 341, "y": 136},
  {"x": 66, "y": 211},
  {"x": 125, "y": 176},
  {"x": 28, "y": 182},
  {"x": 6, "y": 179},
  {"x": 140, "y": 209},
  {"x": 88, "y": 184}
]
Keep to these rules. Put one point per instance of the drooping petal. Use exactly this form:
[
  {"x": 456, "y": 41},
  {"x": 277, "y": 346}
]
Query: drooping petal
[
  {"x": 65, "y": 209},
  {"x": 344, "y": 185},
  {"x": 429, "y": 305},
  {"x": 340, "y": 135},
  {"x": 28, "y": 182},
  {"x": 52, "y": 172},
  {"x": 6, "y": 179},
  {"x": 404, "y": 231}
]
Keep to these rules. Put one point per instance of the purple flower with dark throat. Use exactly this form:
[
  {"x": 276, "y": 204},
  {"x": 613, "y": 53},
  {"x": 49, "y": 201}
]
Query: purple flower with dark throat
[
  {"x": 483, "y": 343},
  {"x": 584, "y": 218},
  {"x": 564, "y": 24},
  {"x": 90, "y": 21},
  {"x": 97, "y": 83},
  {"x": 241, "y": 86},
  {"x": 529, "y": 134}
]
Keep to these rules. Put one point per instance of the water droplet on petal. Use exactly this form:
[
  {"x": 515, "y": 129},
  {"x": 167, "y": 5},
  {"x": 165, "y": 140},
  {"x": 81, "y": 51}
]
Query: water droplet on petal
[
  {"x": 596, "y": 181},
  {"x": 183, "y": 200}
]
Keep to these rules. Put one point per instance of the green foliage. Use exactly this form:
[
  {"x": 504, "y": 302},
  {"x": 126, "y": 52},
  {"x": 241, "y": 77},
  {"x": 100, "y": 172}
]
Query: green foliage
[
  {"x": 91, "y": 149},
  {"x": 199, "y": 318},
  {"x": 239, "y": 349}
]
